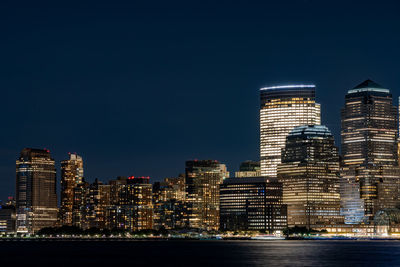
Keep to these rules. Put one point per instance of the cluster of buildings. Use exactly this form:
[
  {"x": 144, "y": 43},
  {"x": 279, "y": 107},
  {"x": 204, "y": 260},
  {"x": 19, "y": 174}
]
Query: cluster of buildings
[{"x": 301, "y": 179}]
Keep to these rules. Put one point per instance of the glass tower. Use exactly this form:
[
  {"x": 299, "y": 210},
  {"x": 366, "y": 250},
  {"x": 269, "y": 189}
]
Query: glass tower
[
  {"x": 310, "y": 175},
  {"x": 36, "y": 197},
  {"x": 281, "y": 109},
  {"x": 369, "y": 146}
]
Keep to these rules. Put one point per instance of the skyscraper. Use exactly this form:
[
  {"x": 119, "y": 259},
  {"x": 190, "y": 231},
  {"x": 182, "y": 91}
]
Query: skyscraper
[
  {"x": 71, "y": 176},
  {"x": 203, "y": 178},
  {"x": 36, "y": 197},
  {"x": 281, "y": 109},
  {"x": 369, "y": 146},
  {"x": 310, "y": 175}
]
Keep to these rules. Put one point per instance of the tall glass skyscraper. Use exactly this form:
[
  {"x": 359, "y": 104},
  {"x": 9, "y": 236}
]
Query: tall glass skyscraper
[
  {"x": 281, "y": 109},
  {"x": 369, "y": 147},
  {"x": 36, "y": 197},
  {"x": 310, "y": 175}
]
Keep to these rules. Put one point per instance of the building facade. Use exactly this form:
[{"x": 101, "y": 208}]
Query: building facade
[
  {"x": 7, "y": 219},
  {"x": 71, "y": 176},
  {"x": 369, "y": 147},
  {"x": 97, "y": 200},
  {"x": 309, "y": 173},
  {"x": 132, "y": 206},
  {"x": 169, "y": 203},
  {"x": 252, "y": 203},
  {"x": 79, "y": 207},
  {"x": 203, "y": 178},
  {"x": 249, "y": 168},
  {"x": 281, "y": 109},
  {"x": 352, "y": 206},
  {"x": 36, "y": 197}
]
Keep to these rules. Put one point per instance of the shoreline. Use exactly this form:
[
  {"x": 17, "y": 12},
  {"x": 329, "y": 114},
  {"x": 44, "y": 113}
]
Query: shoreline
[{"x": 129, "y": 239}]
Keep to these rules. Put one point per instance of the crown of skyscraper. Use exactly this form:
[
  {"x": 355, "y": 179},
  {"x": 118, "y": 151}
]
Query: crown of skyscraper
[{"x": 368, "y": 86}]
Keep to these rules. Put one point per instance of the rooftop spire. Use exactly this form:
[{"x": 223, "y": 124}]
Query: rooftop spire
[{"x": 368, "y": 84}]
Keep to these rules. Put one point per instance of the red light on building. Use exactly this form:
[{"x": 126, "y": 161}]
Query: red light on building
[{"x": 138, "y": 177}]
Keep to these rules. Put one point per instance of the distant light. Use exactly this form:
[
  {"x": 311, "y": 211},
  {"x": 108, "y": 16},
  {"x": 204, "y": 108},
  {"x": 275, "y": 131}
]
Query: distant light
[{"x": 289, "y": 86}]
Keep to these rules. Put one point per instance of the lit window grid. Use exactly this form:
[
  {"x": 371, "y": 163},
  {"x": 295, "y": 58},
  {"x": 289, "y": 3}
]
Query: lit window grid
[{"x": 276, "y": 123}]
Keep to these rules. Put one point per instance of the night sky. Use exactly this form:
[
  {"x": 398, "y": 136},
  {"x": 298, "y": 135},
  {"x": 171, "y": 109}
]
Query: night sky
[{"x": 137, "y": 88}]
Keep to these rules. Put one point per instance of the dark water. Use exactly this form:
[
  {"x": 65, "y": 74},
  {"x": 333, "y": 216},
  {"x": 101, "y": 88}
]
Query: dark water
[{"x": 199, "y": 253}]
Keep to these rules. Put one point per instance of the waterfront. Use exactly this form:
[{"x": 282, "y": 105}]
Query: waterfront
[{"x": 201, "y": 253}]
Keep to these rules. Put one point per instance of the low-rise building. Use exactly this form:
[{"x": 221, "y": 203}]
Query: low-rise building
[{"x": 253, "y": 203}]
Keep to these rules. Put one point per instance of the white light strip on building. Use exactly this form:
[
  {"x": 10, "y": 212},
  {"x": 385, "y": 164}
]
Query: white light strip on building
[
  {"x": 368, "y": 89},
  {"x": 289, "y": 86}
]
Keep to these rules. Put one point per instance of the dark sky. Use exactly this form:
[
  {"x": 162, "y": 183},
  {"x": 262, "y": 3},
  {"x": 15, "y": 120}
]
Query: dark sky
[{"x": 138, "y": 87}]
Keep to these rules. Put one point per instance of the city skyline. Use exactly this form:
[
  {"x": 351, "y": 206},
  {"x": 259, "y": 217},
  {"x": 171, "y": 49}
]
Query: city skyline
[
  {"x": 278, "y": 86},
  {"x": 169, "y": 133},
  {"x": 127, "y": 85},
  {"x": 302, "y": 181}
]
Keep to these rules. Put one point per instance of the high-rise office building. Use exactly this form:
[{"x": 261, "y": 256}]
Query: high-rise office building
[
  {"x": 369, "y": 147},
  {"x": 249, "y": 168},
  {"x": 369, "y": 126},
  {"x": 71, "y": 176},
  {"x": 281, "y": 109},
  {"x": 252, "y": 203},
  {"x": 36, "y": 197},
  {"x": 203, "y": 178},
  {"x": 310, "y": 175}
]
